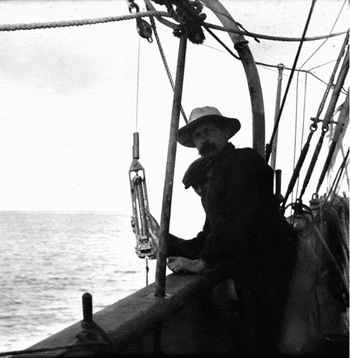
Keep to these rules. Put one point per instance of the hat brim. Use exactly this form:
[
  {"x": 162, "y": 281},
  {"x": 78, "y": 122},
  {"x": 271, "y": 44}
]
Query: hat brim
[{"x": 184, "y": 135}]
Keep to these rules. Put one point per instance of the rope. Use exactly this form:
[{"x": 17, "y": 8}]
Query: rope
[
  {"x": 269, "y": 37},
  {"x": 165, "y": 63},
  {"x": 137, "y": 86},
  {"x": 83, "y": 22},
  {"x": 296, "y": 126},
  {"x": 221, "y": 43},
  {"x": 265, "y": 37},
  {"x": 326, "y": 120},
  {"x": 332, "y": 147},
  {"x": 335, "y": 22},
  {"x": 57, "y": 24},
  {"x": 313, "y": 126},
  {"x": 304, "y": 118}
]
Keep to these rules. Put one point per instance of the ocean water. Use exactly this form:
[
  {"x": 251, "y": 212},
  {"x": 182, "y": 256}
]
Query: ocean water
[{"x": 49, "y": 259}]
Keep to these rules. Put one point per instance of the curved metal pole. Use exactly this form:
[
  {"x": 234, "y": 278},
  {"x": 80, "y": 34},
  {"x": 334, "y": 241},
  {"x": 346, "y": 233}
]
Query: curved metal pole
[
  {"x": 248, "y": 62},
  {"x": 169, "y": 173}
]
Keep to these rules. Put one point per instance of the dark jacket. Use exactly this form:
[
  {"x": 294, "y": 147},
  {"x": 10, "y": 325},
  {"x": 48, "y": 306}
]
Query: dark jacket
[
  {"x": 242, "y": 214},
  {"x": 245, "y": 232},
  {"x": 240, "y": 206}
]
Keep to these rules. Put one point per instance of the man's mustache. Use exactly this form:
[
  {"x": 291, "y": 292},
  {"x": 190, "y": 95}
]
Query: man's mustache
[{"x": 206, "y": 147}]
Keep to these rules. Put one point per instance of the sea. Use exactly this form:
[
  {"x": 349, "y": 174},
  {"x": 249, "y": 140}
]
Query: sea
[
  {"x": 64, "y": 96},
  {"x": 48, "y": 260}
]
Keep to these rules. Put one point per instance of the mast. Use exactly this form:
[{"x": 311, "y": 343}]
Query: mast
[
  {"x": 169, "y": 173},
  {"x": 258, "y": 114}
]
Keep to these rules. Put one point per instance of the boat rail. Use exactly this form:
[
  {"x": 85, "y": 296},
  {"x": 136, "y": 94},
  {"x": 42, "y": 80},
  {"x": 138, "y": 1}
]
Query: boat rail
[{"x": 135, "y": 322}]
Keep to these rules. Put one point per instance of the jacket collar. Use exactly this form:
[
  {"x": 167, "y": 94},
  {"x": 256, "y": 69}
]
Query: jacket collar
[{"x": 227, "y": 149}]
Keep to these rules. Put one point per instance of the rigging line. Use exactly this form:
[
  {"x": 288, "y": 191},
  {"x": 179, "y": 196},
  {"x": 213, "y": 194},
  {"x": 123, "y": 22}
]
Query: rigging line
[
  {"x": 296, "y": 70},
  {"x": 323, "y": 64},
  {"x": 339, "y": 174},
  {"x": 222, "y": 43},
  {"x": 327, "y": 117},
  {"x": 342, "y": 119},
  {"x": 137, "y": 85},
  {"x": 261, "y": 36},
  {"x": 303, "y": 121},
  {"x": 304, "y": 112},
  {"x": 313, "y": 128},
  {"x": 165, "y": 63},
  {"x": 268, "y": 37},
  {"x": 335, "y": 22},
  {"x": 286, "y": 68},
  {"x": 296, "y": 125},
  {"x": 83, "y": 22},
  {"x": 276, "y": 66},
  {"x": 268, "y": 147}
]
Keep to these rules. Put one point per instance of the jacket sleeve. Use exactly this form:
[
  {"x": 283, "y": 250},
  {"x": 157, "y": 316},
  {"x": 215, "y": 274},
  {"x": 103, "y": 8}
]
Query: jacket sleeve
[{"x": 187, "y": 248}]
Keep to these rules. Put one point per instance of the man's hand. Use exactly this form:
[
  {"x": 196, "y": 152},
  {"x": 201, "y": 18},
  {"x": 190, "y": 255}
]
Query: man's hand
[
  {"x": 181, "y": 264},
  {"x": 152, "y": 223},
  {"x": 153, "y": 229},
  {"x": 132, "y": 222}
]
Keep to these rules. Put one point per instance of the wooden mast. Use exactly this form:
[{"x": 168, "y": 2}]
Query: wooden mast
[
  {"x": 170, "y": 167},
  {"x": 257, "y": 105}
]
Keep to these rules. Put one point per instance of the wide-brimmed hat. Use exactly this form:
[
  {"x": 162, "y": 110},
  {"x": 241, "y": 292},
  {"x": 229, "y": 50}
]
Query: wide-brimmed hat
[{"x": 198, "y": 115}]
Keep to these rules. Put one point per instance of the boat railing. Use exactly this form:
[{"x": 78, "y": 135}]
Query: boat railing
[{"x": 138, "y": 315}]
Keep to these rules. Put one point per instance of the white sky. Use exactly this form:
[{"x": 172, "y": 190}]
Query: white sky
[{"x": 68, "y": 98}]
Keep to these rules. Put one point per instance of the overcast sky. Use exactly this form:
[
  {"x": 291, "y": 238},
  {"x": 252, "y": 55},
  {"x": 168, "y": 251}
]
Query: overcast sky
[{"x": 68, "y": 98}]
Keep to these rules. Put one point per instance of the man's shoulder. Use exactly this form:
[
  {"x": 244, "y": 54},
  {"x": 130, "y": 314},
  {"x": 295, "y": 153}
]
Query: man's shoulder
[
  {"x": 246, "y": 152},
  {"x": 246, "y": 157}
]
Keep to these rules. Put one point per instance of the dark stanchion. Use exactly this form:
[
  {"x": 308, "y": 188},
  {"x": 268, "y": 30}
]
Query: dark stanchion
[{"x": 87, "y": 307}]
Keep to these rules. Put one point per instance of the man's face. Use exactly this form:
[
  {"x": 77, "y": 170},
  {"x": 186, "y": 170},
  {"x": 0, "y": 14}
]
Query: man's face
[{"x": 209, "y": 139}]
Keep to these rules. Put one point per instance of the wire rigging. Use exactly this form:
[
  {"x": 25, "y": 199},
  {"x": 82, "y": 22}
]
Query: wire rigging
[
  {"x": 327, "y": 38},
  {"x": 137, "y": 84},
  {"x": 268, "y": 146},
  {"x": 221, "y": 43},
  {"x": 165, "y": 62},
  {"x": 296, "y": 124},
  {"x": 313, "y": 127},
  {"x": 326, "y": 120},
  {"x": 303, "y": 122}
]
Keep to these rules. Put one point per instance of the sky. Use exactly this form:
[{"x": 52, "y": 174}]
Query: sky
[{"x": 71, "y": 99}]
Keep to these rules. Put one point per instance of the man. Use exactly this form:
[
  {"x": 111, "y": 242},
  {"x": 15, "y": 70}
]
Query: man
[
  {"x": 196, "y": 176},
  {"x": 243, "y": 228}
]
